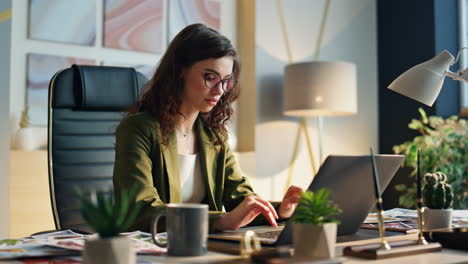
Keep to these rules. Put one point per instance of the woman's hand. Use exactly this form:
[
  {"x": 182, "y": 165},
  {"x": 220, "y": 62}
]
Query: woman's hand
[
  {"x": 290, "y": 200},
  {"x": 245, "y": 212}
]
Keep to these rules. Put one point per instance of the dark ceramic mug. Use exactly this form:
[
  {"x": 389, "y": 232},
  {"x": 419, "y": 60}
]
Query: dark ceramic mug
[{"x": 186, "y": 227}]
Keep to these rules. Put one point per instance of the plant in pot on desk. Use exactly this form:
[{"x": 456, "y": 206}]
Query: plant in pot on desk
[
  {"x": 109, "y": 218},
  {"x": 438, "y": 198},
  {"x": 314, "y": 229},
  {"x": 24, "y": 138}
]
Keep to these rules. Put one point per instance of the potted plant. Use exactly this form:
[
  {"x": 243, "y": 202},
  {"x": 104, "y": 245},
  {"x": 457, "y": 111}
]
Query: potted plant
[
  {"x": 314, "y": 228},
  {"x": 443, "y": 144},
  {"x": 24, "y": 136},
  {"x": 109, "y": 218},
  {"x": 438, "y": 198}
]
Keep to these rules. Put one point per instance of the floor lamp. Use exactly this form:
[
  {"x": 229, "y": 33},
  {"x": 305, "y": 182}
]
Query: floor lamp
[{"x": 318, "y": 89}]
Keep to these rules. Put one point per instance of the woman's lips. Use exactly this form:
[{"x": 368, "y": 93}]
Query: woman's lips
[{"x": 211, "y": 101}]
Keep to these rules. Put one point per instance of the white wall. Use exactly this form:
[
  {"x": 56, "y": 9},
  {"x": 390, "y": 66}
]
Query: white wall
[
  {"x": 5, "y": 33},
  {"x": 350, "y": 35}
]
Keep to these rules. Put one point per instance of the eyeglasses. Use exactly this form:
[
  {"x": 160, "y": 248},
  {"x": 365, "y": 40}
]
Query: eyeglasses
[{"x": 212, "y": 80}]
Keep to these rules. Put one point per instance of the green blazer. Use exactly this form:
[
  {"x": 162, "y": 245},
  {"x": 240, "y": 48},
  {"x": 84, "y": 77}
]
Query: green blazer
[{"x": 140, "y": 157}]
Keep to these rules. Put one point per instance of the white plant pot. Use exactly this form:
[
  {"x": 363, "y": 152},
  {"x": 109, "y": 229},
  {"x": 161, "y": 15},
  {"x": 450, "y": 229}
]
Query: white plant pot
[
  {"x": 117, "y": 250},
  {"x": 24, "y": 139},
  {"x": 437, "y": 218},
  {"x": 314, "y": 242},
  {"x": 30, "y": 138}
]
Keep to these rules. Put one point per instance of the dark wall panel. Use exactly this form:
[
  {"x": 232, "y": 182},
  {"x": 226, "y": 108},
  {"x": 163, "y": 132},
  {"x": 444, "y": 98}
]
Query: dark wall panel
[{"x": 411, "y": 32}]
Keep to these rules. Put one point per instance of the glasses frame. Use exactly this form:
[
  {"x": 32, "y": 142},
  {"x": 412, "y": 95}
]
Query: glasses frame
[{"x": 222, "y": 81}]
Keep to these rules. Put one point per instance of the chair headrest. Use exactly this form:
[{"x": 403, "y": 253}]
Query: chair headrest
[{"x": 105, "y": 88}]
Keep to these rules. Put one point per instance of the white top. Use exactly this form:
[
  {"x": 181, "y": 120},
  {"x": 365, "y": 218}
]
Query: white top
[{"x": 191, "y": 180}]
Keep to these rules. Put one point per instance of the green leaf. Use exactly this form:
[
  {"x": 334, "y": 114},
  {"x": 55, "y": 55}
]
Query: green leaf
[
  {"x": 423, "y": 115},
  {"x": 315, "y": 208},
  {"x": 108, "y": 217},
  {"x": 415, "y": 124},
  {"x": 400, "y": 187}
]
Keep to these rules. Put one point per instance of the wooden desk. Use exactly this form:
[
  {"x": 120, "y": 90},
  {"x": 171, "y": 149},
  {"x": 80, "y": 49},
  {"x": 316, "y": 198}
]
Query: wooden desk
[
  {"x": 445, "y": 256},
  {"x": 369, "y": 236},
  {"x": 212, "y": 257}
]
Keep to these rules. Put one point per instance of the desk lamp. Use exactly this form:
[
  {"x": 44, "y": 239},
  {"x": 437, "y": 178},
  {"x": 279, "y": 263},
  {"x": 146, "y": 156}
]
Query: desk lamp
[{"x": 424, "y": 81}]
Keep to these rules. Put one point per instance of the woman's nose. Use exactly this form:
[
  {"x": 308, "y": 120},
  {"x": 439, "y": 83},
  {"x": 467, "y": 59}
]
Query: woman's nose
[{"x": 218, "y": 89}]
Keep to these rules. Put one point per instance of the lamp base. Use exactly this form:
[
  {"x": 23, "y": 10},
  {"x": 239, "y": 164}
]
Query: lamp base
[{"x": 398, "y": 249}]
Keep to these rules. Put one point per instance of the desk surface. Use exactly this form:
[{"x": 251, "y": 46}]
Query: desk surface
[
  {"x": 362, "y": 237},
  {"x": 446, "y": 256},
  {"x": 370, "y": 236}
]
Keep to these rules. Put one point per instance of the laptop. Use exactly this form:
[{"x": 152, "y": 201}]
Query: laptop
[{"x": 350, "y": 180}]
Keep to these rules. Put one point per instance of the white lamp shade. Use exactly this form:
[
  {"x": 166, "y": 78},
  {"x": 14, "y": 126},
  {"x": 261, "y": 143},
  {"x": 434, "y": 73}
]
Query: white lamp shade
[
  {"x": 320, "y": 88},
  {"x": 424, "y": 81}
]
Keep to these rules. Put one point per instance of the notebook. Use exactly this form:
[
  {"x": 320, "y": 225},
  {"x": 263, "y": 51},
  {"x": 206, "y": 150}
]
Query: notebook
[{"x": 350, "y": 181}]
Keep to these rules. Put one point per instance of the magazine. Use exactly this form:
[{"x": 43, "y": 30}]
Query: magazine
[
  {"x": 67, "y": 243},
  {"x": 402, "y": 226},
  {"x": 406, "y": 220},
  {"x": 19, "y": 248}
]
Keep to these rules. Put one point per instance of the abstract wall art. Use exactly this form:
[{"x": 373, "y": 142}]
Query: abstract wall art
[
  {"x": 51, "y": 20},
  {"x": 137, "y": 25},
  {"x": 185, "y": 12}
]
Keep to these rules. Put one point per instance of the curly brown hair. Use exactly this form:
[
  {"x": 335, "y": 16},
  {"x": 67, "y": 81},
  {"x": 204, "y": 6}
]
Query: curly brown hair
[{"x": 162, "y": 95}]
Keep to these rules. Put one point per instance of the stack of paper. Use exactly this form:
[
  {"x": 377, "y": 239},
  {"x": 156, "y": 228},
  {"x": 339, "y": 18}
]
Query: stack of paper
[{"x": 406, "y": 220}]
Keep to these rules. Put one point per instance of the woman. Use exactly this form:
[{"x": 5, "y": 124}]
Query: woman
[{"x": 175, "y": 144}]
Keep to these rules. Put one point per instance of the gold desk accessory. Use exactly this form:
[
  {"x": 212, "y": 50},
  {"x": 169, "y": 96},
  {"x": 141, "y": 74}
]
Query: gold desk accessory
[
  {"x": 397, "y": 248},
  {"x": 249, "y": 244}
]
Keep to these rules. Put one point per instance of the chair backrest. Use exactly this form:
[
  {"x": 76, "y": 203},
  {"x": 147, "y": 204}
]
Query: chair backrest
[{"x": 86, "y": 104}]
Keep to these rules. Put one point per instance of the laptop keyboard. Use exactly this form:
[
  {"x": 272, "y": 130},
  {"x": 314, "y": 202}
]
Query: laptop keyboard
[{"x": 269, "y": 234}]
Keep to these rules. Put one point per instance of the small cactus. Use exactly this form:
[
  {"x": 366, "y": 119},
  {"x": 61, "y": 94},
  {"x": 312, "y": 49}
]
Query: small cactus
[{"x": 437, "y": 194}]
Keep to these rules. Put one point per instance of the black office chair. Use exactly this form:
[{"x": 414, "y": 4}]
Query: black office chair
[{"x": 86, "y": 104}]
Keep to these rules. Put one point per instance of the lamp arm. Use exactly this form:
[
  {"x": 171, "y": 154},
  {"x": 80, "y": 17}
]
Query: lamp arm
[
  {"x": 458, "y": 55},
  {"x": 460, "y": 75}
]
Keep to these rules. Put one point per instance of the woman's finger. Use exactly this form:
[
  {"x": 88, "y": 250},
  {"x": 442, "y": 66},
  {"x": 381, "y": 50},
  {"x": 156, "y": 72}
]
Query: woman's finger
[
  {"x": 266, "y": 203},
  {"x": 290, "y": 201},
  {"x": 294, "y": 190},
  {"x": 265, "y": 210},
  {"x": 294, "y": 199},
  {"x": 291, "y": 190}
]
